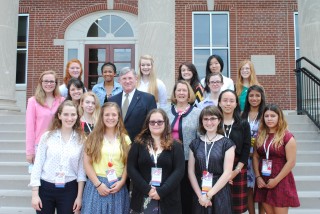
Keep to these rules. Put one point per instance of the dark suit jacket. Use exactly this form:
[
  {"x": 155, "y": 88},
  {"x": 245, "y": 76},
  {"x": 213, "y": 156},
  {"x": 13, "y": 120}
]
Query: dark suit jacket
[{"x": 138, "y": 109}]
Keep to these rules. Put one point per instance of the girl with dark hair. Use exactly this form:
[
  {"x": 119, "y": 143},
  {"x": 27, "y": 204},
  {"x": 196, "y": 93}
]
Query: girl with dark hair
[
  {"x": 156, "y": 167},
  {"x": 105, "y": 161},
  {"x": 75, "y": 90},
  {"x": 215, "y": 65},
  {"x": 210, "y": 165},
  {"x": 189, "y": 73},
  {"x": 254, "y": 106},
  {"x": 274, "y": 157},
  {"x": 238, "y": 131},
  {"x": 58, "y": 176}
]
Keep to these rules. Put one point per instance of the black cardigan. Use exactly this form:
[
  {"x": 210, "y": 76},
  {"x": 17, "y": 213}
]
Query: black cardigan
[{"x": 139, "y": 170}]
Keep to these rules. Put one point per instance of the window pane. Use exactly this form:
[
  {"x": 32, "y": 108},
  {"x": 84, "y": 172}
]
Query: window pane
[
  {"x": 220, "y": 30},
  {"x": 122, "y": 55},
  {"x": 97, "y": 55},
  {"x": 297, "y": 30},
  {"x": 97, "y": 29},
  {"x": 224, "y": 55},
  {"x": 72, "y": 54},
  {"x": 124, "y": 31},
  {"x": 22, "y": 32},
  {"x": 201, "y": 30},
  {"x": 297, "y": 54},
  {"x": 121, "y": 65},
  {"x": 200, "y": 61},
  {"x": 21, "y": 67}
]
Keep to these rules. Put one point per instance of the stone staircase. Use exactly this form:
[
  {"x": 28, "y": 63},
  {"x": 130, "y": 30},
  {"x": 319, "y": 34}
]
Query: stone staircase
[{"x": 15, "y": 195}]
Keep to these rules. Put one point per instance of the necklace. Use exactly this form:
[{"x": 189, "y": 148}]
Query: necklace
[
  {"x": 210, "y": 140},
  {"x": 182, "y": 112},
  {"x": 110, "y": 164}
]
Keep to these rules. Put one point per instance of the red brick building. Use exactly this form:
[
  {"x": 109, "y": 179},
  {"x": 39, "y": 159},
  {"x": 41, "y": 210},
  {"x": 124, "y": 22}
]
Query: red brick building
[{"x": 261, "y": 30}]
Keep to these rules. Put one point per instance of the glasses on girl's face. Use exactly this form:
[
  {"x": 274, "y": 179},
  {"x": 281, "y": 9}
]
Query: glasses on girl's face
[
  {"x": 214, "y": 82},
  {"x": 48, "y": 82},
  {"x": 210, "y": 119},
  {"x": 153, "y": 122}
]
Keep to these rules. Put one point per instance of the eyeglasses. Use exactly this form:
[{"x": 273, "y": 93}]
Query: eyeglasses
[
  {"x": 211, "y": 119},
  {"x": 214, "y": 82},
  {"x": 48, "y": 82},
  {"x": 153, "y": 122}
]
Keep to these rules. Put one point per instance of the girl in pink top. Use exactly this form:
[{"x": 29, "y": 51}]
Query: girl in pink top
[{"x": 40, "y": 111}]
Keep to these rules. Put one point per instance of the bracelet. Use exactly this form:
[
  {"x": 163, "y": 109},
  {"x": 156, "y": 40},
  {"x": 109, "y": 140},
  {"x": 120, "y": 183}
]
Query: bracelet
[
  {"x": 208, "y": 197},
  {"x": 258, "y": 177},
  {"x": 98, "y": 185}
]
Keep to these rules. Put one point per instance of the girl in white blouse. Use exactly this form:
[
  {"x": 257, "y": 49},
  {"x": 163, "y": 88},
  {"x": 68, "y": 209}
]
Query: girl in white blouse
[
  {"x": 58, "y": 176},
  {"x": 148, "y": 82}
]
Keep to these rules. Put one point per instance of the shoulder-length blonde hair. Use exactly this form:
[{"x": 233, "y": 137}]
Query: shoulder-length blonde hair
[
  {"x": 153, "y": 85},
  {"x": 67, "y": 76},
  {"x": 281, "y": 127},
  {"x": 192, "y": 97},
  {"x": 57, "y": 123},
  {"x": 96, "y": 112},
  {"x": 252, "y": 78},
  {"x": 145, "y": 138},
  {"x": 40, "y": 94},
  {"x": 95, "y": 139}
]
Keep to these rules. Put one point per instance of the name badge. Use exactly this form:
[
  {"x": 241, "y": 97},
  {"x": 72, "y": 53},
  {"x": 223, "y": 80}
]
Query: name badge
[
  {"x": 206, "y": 182},
  {"x": 60, "y": 180},
  {"x": 156, "y": 176},
  {"x": 111, "y": 176},
  {"x": 266, "y": 167}
]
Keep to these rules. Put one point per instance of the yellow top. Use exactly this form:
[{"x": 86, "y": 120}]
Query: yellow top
[{"x": 110, "y": 153}]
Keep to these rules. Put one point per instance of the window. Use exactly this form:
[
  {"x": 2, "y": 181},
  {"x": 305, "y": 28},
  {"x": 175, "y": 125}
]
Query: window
[
  {"x": 296, "y": 36},
  {"x": 22, "y": 49},
  {"x": 210, "y": 35}
]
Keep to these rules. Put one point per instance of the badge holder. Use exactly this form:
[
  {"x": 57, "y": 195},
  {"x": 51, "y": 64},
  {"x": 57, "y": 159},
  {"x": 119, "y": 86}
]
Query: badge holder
[
  {"x": 206, "y": 182},
  {"x": 60, "y": 180},
  {"x": 266, "y": 167},
  {"x": 156, "y": 176},
  {"x": 111, "y": 176}
]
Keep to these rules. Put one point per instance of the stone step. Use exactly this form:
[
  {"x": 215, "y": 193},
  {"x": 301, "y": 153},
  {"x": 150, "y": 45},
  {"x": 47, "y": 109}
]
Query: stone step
[
  {"x": 308, "y": 145},
  {"x": 13, "y": 127},
  {"x": 17, "y": 210},
  {"x": 307, "y": 135},
  {"x": 12, "y": 144},
  {"x": 302, "y": 127},
  {"x": 307, "y": 183},
  {"x": 12, "y": 135},
  {"x": 12, "y": 155},
  {"x": 13, "y": 119},
  {"x": 310, "y": 169},
  {"x": 15, "y": 198},
  {"x": 13, "y": 168},
  {"x": 17, "y": 182},
  {"x": 309, "y": 199},
  {"x": 308, "y": 156},
  {"x": 302, "y": 119}
]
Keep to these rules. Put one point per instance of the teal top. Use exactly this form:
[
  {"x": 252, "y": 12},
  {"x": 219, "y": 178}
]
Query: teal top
[{"x": 242, "y": 98}]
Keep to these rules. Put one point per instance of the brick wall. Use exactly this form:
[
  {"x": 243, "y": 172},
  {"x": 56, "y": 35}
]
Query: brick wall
[{"x": 257, "y": 27}]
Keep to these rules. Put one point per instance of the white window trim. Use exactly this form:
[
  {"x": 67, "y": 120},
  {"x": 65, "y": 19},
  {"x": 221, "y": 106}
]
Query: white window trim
[
  {"x": 296, "y": 48},
  {"x": 211, "y": 47}
]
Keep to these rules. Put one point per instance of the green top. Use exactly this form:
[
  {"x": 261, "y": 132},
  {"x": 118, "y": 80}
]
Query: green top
[{"x": 242, "y": 97}]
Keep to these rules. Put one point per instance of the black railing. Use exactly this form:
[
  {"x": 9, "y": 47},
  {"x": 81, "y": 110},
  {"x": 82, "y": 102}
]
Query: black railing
[{"x": 308, "y": 90}]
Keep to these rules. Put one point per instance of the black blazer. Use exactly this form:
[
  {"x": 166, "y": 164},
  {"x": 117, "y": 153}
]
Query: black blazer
[
  {"x": 139, "y": 170},
  {"x": 138, "y": 109}
]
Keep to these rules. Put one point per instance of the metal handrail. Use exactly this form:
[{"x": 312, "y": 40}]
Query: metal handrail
[{"x": 308, "y": 91}]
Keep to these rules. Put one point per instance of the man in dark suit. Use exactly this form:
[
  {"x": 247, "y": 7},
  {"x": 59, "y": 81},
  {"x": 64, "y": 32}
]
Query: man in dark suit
[{"x": 134, "y": 104}]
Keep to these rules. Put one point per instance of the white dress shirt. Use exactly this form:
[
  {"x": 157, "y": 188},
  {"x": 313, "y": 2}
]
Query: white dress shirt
[{"x": 162, "y": 92}]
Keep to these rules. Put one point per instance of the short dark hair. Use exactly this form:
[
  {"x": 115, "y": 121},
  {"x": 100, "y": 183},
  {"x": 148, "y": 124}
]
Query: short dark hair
[
  {"x": 111, "y": 65},
  {"x": 211, "y": 111},
  {"x": 77, "y": 83}
]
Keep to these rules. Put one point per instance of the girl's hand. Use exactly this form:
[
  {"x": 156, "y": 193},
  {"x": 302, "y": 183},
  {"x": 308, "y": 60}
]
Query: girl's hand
[
  {"x": 204, "y": 201},
  {"x": 77, "y": 205},
  {"x": 36, "y": 202},
  {"x": 271, "y": 183},
  {"x": 154, "y": 195},
  {"x": 116, "y": 187},
  {"x": 103, "y": 190},
  {"x": 261, "y": 183}
]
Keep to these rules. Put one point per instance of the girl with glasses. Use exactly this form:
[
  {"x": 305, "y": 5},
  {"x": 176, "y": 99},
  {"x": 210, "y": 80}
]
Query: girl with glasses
[
  {"x": 211, "y": 159},
  {"x": 156, "y": 167}
]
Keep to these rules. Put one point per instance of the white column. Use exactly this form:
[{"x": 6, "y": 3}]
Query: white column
[
  {"x": 157, "y": 37},
  {"x": 8, "y": 53},
  {"x": 309, "y": 31}
]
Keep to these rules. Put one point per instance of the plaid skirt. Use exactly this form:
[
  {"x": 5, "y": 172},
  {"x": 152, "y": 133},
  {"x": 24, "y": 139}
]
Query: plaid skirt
[
  {"x": 93, "y": 203},
  {"x": 239, "y": 192}
]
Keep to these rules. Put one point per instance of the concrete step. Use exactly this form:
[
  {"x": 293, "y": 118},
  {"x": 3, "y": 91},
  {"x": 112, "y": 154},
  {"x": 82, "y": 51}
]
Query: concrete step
[
  {"x": 15, "y": 198},
  {"x": 302, "y": 119},
  {"x": 307, "y": 183},
  {"x": 12, "y": 155},
  {"x": 308, "y": 156},
  {"x": 302, "y": 127},
  {"x": 12, "y": 144},
  {"x": 309, "y": 199},
  {"x": 13, "y": 168},
  {"x": 13, "y": 127},
  {"x": 17, "y": 182},
  {"x": 310, "y": 169},
  {"x": 308, "y": 145},
  {"x": 17, "y": 210},
  {"x": 307, "y": 135},
  {"x": 12, "y": 135},
  {"x": 13, "y": 119}
]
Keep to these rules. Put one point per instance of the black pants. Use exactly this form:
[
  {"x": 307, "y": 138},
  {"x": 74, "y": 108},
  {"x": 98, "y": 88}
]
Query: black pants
[{"x": 61, "y": 199}]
